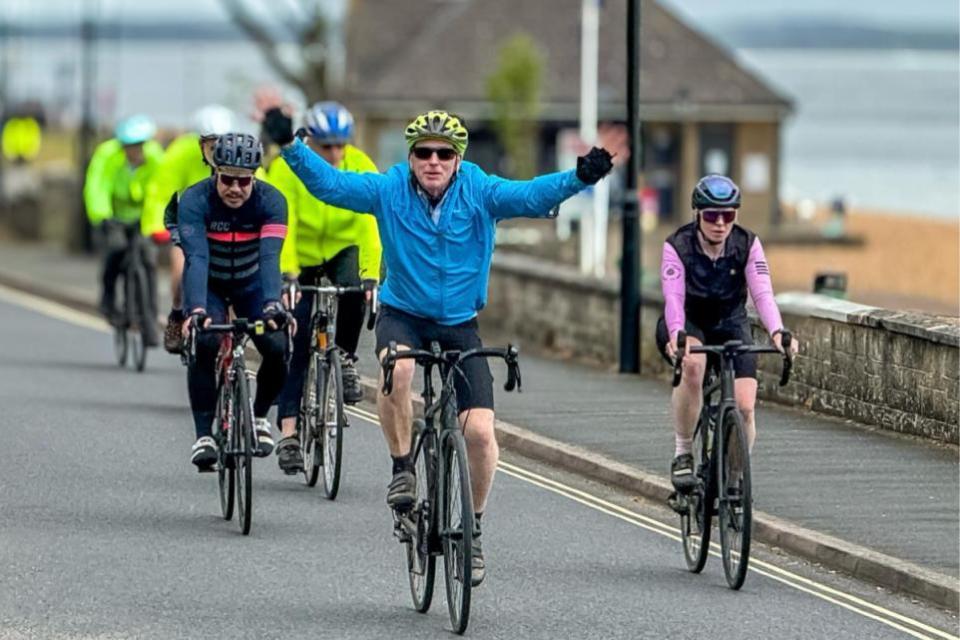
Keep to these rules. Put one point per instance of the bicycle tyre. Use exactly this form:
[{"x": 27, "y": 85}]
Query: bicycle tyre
[
  {"x": 735, "y": 520},
  {"x": 120, "y": 344},
  {"x": 140, "y": 315},
  {"x": 421, "y": 564},
  {"x": 331, "y": 431},
  {"x": 309, "y": 418},
  {"x": 225, "y": 471},
  {"x": 695, "y": 525},
  {"x": 243, "y": 421},
  {"x": 456, "y": 528}
]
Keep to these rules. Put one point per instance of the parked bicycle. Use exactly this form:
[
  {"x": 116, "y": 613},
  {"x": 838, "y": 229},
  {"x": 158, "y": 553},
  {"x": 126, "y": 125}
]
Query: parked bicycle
[
  {"x": 721, "y": 462},
  {"x": 441, "y": 519},
  {"x": 136, "y": 309},
  {"x": 322, "y": 420}
]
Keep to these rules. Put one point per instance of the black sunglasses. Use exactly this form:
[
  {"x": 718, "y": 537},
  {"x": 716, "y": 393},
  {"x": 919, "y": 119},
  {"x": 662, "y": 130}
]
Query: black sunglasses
[
  {"x": 425, "y": 153},
  {"x": 712, "y": 215},
  {"x": 229, "y": 181}
]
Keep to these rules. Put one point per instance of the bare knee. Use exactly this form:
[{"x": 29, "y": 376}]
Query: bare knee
[
  {"x": 694, "y": 368},
  {"x": 403, "y": 371},
  {"x": 479, "y": 430}
]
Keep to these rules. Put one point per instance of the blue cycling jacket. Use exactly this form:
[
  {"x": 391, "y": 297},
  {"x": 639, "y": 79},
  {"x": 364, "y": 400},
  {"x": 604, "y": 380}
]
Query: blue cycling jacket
[{"x": 435, "y": 270}]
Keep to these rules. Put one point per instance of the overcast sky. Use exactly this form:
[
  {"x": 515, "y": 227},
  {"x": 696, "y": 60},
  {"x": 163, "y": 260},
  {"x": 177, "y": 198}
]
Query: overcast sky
[{"x": 937, "y": 13}]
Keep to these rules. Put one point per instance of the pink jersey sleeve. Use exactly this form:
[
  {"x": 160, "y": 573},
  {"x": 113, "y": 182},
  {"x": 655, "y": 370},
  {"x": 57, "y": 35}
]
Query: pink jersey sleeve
[
  {"x": 673, "y": 282},
  {"x": 761, "y": 288}
]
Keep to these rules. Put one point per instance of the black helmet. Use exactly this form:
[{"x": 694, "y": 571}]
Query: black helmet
[
  {"x": 716, "y": 191},
  {"x": 239, "y": 150}
]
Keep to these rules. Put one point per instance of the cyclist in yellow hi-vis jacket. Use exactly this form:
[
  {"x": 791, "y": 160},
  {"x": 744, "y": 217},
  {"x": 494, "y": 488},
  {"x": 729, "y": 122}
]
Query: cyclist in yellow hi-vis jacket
[
  {"x": 187, "y": 161},
  {"x": 113, "y": 192},
  {"x": 324, "y": 240}
]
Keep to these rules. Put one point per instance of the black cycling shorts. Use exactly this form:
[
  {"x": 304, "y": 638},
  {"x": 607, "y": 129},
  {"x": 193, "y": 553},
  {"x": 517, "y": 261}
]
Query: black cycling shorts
[
  {"x": 475, "y": 387},
  {"x": 745, "y": 365}
]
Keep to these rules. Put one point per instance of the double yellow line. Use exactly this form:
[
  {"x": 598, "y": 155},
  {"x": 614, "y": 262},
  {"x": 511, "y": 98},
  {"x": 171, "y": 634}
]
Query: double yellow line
[{"x": 903, "y": 623}]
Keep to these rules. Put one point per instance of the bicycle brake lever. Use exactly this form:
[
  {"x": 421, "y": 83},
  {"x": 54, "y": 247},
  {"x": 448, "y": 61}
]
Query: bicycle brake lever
[
  {"x": 786, "y": 341},
  {"x": 678, "y": 361}
]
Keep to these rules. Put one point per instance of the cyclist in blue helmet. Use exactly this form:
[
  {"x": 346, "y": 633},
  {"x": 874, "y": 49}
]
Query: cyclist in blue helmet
[
  {"x": 708, "y": 268},
  {"x": 324, "y": 241},
  {"x": 114, "y": 191}
]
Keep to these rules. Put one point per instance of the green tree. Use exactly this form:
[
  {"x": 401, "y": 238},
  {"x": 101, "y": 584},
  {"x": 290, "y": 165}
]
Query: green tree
[{"x": 514, "y": 90}]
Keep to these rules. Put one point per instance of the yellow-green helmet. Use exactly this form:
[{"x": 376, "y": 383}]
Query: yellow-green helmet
[{"x": 438, "y": 125}]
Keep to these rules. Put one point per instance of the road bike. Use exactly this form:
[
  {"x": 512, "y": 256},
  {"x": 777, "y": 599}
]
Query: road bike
[
  {"x": 721, "y": 461},
  {"x": 136, "y": 301},
  {"x": 440, "y": 522},
  {"x": 321, "y": 421}
]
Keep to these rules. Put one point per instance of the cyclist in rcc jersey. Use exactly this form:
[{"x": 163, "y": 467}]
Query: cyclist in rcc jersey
[
  {"x": 708, "y": 267},
  {"x": 232, "y": 228},
  {"x": 186, "y": 161},
  {"x": 436, "y": 214},
  {"x": 324, "y": 240}
]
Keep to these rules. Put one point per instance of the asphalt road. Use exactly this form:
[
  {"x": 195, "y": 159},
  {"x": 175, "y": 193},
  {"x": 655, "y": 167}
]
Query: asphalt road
[{"x": 107, "y": 532}]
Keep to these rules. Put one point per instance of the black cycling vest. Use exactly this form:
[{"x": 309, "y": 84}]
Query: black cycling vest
[{"x": 715, "y": 291}]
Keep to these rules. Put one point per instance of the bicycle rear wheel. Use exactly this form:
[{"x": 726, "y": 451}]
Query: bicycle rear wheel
[
  {"x": 243, "y": 423},
  {"x": 421, "y": 564},
  {"x": 310, "y": 416},
  {"x": 226, "y": 474},
  {"x": 696, "y": 522},
  {"x": 331, "y": 432},
  {"x": 456, "y": 528},
  {"x": 735, "y": 503}
]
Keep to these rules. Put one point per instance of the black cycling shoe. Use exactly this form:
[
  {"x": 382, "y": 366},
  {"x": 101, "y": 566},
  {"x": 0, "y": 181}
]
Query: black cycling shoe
[
  {"x": 682, "y": 473},
  {"x": 478, "y": 569},
  {"x": 289, "y": 455},
  {"x": 352, "y": 391},
  {"x": 402, "y": 490}
]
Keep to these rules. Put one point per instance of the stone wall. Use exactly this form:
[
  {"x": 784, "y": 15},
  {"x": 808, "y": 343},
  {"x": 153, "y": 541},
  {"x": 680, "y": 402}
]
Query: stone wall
[{"x": 898, "y": 371}]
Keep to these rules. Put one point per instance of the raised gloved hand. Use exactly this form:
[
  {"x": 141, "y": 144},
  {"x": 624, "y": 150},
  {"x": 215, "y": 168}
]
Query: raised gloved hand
[
  {"x": 278, "y": 126},
  {"x": 594, "y": 166}
]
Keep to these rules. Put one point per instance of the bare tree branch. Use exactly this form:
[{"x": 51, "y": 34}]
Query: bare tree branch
[{"x": 265, "y": 42}]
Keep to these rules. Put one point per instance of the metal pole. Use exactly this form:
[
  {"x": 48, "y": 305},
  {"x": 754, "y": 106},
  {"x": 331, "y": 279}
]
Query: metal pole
[
  {"x": 5, "y": 31},
  {"x": 82, "y": 237},
  {"x": 589, "y": 60},
  {"x": 630, "y": 333}
]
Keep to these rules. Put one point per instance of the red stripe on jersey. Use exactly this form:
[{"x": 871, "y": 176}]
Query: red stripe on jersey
[
  {"x": 273, "y": 231},
  {"x": 232, "y": 236}
]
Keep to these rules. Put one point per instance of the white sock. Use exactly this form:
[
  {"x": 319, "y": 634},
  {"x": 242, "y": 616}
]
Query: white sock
[{"x": 683, "y": 445}]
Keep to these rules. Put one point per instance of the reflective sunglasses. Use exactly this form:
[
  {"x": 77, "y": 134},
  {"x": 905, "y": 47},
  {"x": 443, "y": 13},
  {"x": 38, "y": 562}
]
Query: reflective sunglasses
[
  {"x": 713, "y": 215},
  {"x": 425, "y": 153},
  {"x": 229, "y": 181}
]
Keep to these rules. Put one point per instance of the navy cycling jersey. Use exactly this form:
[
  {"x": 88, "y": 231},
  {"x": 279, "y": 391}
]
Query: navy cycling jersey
[{"x": 231, "y": 251}]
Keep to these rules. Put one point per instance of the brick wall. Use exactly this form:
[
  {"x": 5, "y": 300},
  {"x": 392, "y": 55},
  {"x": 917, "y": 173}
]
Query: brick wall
[{"x": 898, "y": 371}]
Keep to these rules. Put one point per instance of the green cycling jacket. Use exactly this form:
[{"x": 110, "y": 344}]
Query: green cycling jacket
[
  {"x": 115, "y": 190},
  {"x": 317, "y": 231},
  {"x": 181, "y": 167}
]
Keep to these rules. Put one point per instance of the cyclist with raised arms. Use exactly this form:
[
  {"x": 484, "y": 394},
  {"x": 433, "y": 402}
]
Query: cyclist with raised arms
[
  {"x": 436, "y": 214},
  {"x": 324, "y": 240},
  {"x": 232, "y": 228},
  {"x": 708, "y": 267},
  {"x": 187, "y": 161},
  {"x": 113, "y": 192}
]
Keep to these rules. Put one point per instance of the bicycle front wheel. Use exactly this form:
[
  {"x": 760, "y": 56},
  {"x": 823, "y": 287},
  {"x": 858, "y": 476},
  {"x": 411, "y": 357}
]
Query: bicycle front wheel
[
  {"x": 310, "y": 417},
  {"x": 421, "y": 564},
  {"x": 735, "y": 500},
  {"x": 120, "y": 344},
  {"x": 244, "y": 439},
  {"x": 456, "y": 528},
  {"x": 139, "y": 312},
  {"x": 696, "y": 522},
  {"x": 331, "y": 433},
  {"x": 225, "y": 468}
]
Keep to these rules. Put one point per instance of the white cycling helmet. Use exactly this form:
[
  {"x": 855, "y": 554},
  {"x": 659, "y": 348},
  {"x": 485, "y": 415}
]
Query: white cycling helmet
[{"x": 213, "y": 120}]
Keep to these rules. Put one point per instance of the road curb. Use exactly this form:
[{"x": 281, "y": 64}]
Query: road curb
[
  {"x": 852, "y": 559},
  {"x": 858, "y": 561}
]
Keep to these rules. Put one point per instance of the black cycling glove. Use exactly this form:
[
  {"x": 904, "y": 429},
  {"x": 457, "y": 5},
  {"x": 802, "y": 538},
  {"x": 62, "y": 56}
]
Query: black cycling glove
[
  {"x": 278, "y": 126},
  {"x": 594, "y": 166},
  {"x": 275, "y": 311}
]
